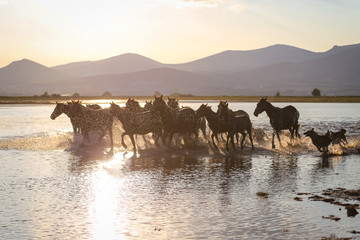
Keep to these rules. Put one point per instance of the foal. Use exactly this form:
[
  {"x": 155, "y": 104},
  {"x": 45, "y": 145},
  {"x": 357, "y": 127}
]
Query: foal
[{"x": 322, "y": 142}]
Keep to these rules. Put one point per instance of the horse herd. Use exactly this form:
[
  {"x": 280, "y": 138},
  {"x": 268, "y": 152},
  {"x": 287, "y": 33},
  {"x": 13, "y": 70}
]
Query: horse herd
[{"x": 164, "y": 119}]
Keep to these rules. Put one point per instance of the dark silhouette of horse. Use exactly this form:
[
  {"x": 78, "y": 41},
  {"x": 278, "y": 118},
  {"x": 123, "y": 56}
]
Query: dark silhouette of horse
[
  {"x": 201, "y": 122},
  {"x": 148, "y": 106},
  {"x": 141, "y": 123},
  {"x": 322, "y": 142},
  {"x": 216, "y": 124},
  {"x": 61, "y": 108},
  {"x": 93, "y": 106},
  {"x": 280, "y": 118},
  {"x": 338, "y": 137},
  {"x": 92, "y": 120},
  {"x": 236, "y": 122},
  {"x": 134, "y": 105},
  {"x": 182, "y": 120}
]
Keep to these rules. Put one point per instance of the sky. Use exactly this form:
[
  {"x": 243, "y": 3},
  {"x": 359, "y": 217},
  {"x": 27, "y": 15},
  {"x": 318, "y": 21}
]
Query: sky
[{"x": 54, "y": 32}]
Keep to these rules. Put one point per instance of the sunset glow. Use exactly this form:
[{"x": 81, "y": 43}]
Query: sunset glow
[{"x": 169, "y": 31}]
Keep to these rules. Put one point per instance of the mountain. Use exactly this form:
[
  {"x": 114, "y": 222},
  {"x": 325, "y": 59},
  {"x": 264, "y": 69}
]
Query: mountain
[
  {"x": 165, "y": 80},
  {"x": 124, "y": 63},
  {"x": 20, "y": 77},
  {"x": 290, "y": 70},
  {"x": 236, "y": 61},
  {"x": 336, "y": 73}
]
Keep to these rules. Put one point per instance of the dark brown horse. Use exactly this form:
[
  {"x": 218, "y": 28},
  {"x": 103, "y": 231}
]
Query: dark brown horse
[
  {"x": 216, "y": 124},
  {"x": 137, "y": 123},
  {"x": 92, "y": 120},
  {"x": 236, "y": 122},
  {"x": 61, "y": 108},
  {"x": 182, "y": 120},
  {"x": 280, "y": 118}
]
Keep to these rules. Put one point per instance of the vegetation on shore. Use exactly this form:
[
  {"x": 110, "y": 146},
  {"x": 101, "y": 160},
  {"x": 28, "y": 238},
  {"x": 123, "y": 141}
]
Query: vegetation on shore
[{"x": 51, "y": 100}]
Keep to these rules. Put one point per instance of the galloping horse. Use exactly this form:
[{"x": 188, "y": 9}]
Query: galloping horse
[
  {"x": 61, "y": 108},
  {"x": 92, "y": 120},
  {"x": 216, "y": 124},
  {"x": 280, "y": 118},
  {"x": 137, "y": 123},
  {"x": 236, "y": 122},
  {"x": 183, "y": 120}
]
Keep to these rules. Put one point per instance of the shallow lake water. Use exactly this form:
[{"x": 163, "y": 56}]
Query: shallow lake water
[{"x": 51, "y": 188}]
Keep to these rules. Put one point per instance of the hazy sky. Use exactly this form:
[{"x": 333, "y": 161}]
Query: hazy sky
[{"x": 54, "y": 32}]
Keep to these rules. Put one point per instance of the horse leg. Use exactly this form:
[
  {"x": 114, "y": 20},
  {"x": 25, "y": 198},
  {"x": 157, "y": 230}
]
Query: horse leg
[
  {"x": 227, "y": 142},
  {"x": 122, "y": 139},
  {"x": 249, "y": 130},
  {"x": 243, "y": 139},
  {"x": 111, "y": 139},
  {"x": 133, "y": 142},
  {"x": 272, "y": 140},
  {"x": 278, "y": 137},
  {"x": 232, "y": 141}
]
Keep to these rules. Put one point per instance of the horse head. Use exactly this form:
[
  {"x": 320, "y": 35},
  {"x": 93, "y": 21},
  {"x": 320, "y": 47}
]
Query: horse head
[
  {"x": 159, "y": 103},
  {"x": 261, "y": 106},
  {"x": 60, "y": 108},
  {"x": 173, "y": 103}
]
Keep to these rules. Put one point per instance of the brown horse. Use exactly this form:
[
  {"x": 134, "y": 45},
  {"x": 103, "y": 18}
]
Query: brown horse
[{"x": 182, "y": 120}]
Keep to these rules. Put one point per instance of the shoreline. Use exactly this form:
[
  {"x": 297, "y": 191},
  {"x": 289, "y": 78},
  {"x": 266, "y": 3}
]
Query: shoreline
[{"x": 322, "y": 99}]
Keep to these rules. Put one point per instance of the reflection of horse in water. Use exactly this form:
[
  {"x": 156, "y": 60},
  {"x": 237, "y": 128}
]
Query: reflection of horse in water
[{"x": 280, "y": 118}]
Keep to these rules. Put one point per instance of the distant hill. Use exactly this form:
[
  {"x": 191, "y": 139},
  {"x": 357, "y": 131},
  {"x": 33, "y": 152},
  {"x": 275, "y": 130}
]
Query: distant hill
[
  {"x": 124, "y": 63},
  {"x": 236, "y": 61},
  {"x": 337, "y": 73},
  {"x": 165, "y": 80},
  {"x": 287, "y": 69},
  {"x": 20, "y": 77}
]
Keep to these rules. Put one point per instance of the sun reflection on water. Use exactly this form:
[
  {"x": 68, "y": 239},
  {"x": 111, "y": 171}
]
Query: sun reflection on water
[{"x": 107, "y": 213}]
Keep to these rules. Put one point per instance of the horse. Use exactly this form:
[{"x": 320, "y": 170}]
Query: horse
[
  {"x": 280, "y": 118},
  {"x": 201, "y": 123},
  {"x": 322, "y": 142},
  {"x": 148, "y": 106},
  {"x": 236, "y": 123},
  {"x": 134, "y": 105},
  {"x": 216, "y": 124},
  {"x": 133, "y": 123},
  {"x": 92, "y": 120},
  {"x": 93, "y": 106},
  {"x": 182, "y": 120},
  {"x": 61, "y": 108}
]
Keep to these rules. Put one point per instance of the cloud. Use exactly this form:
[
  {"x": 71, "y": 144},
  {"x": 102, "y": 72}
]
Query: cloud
[
  {"x": 207, "y": 3},
  {"x": 237, "y": 8}
]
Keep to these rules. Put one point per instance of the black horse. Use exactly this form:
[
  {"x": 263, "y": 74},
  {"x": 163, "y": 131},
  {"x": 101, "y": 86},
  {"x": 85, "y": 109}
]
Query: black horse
[
  {"x": 280, "y": 118},
  {"x": 235, "y": 123},
  {"x": 216, "y": 124},
  {"x": 182, "y": 120},
  {"x": 141, "y": 123}
]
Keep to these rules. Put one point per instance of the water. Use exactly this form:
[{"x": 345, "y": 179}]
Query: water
[{"x": 50, "y": 188}]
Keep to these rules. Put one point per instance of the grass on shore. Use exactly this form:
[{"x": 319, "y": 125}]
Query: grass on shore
[{"x": 322, "y": 99}]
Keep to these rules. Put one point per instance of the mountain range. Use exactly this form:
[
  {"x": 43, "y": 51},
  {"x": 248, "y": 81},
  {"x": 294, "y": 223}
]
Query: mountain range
[{"x": 278, "y": 68}]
